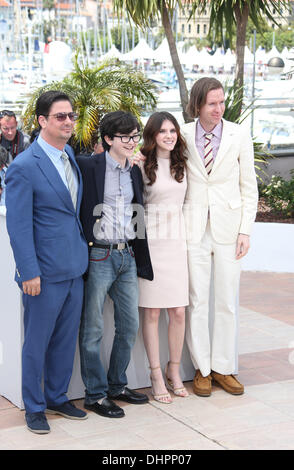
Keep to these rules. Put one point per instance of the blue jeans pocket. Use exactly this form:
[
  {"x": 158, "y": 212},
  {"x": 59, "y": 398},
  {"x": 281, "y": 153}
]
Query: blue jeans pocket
[{"x": 99, "y": 254}]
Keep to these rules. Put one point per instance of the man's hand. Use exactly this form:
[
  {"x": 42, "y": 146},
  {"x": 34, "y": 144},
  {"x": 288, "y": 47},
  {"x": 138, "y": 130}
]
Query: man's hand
[
  {"x": 32, "y": 287},
  {"x": 243, "y": 244}
]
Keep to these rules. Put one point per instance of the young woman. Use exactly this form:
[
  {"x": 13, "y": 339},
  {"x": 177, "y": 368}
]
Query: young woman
[{"x": 164, "y": 175}]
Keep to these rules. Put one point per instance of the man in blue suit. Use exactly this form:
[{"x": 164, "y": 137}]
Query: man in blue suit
[{"x": 43, "y": 196}]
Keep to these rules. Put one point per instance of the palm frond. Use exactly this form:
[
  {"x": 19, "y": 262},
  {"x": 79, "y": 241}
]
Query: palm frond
[
  {"x": 144, "y": 12},
  {"x": 223, "y": 12},
  {"x": 95, "y": 91}
]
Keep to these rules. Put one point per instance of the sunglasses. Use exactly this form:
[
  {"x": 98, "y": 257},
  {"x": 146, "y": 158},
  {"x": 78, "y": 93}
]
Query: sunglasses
[
  {"x": 6, "y": 112},
  {"x": 62, "y": 116}
]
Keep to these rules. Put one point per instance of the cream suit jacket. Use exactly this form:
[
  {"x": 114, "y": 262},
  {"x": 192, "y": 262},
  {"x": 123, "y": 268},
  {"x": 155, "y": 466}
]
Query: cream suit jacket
[{"x": 229, "y": 194}]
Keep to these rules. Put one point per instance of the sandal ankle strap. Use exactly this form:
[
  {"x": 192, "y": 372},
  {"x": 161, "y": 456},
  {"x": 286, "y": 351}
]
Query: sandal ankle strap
[{"x": 154, "y": 368}]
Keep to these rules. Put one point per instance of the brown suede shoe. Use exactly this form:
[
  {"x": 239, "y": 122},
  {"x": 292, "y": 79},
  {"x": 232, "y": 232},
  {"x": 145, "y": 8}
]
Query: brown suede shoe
[
  {"x": 229, "y": 383},
  {"x": 202, "y": 385}
]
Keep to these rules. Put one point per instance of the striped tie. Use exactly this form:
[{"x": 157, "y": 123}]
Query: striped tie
[
  {"x": 70, "y": 178},
  {"x": 208, "y": 157}
]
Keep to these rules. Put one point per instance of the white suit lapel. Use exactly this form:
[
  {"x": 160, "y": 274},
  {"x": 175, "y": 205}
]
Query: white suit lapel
[{"x": 226, "y": 141}]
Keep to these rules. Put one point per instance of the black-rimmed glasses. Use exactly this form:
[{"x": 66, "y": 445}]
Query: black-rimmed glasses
[{"x": 127, "y": 138}]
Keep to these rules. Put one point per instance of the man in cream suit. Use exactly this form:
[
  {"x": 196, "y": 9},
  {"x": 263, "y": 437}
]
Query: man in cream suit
[{"x": 220, "y": 209}]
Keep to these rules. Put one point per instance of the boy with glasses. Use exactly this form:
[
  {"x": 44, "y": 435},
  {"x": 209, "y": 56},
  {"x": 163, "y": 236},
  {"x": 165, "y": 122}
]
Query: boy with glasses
[
  {"x": 118, "y": 252},
  {"x": 12, "y": 139}
]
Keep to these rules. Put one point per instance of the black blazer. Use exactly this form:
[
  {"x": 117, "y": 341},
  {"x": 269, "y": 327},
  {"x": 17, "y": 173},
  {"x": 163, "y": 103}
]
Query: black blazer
[{"x": 93, "y": 170}]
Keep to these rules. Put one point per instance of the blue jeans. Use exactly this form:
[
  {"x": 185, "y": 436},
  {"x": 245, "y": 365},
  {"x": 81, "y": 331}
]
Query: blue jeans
[{"x": 111, "y": 272}]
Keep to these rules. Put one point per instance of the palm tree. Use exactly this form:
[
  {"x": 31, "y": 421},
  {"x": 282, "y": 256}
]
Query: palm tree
[
  {"x": 226, "y": 13},
  {"x": 96, "y": 91},
  {"x": 143, "y": 13}
]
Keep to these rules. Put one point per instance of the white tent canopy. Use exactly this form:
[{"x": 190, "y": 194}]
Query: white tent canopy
[
  {"x": 260, "y": 56},
  {"x": 248, "y": 56},
  {"x": 191, "y": 56},
  {"x": 205, "y": 59},
  {"x": 229, "y": 60},
  {"x": 113, "y": 52},
  {"x": 180, "y": 45},
  {"x": 58, "y": 59},
  {"x": 273, "y": 53},
  {"x": 141, "y": 51},
  {"x": 217, "y": 59},
  {"x": 285, "y": 52},
  {"x": 162, "y": 53}
]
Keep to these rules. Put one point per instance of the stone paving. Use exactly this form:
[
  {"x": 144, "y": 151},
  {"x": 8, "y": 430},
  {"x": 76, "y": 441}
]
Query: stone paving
[{"x": 262, "y": 418}]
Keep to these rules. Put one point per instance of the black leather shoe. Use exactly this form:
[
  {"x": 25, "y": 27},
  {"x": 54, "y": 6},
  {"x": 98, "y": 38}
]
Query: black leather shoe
[
  {"x": 130, "y": 396},
  {"x": 107, "y": 409}
]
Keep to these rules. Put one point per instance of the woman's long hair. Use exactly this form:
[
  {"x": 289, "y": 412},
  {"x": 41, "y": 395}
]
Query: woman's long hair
[{"x": 177, "y": 158}]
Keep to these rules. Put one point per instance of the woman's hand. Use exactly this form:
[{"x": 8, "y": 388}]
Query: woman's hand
[{"x": 137, "y": 158}]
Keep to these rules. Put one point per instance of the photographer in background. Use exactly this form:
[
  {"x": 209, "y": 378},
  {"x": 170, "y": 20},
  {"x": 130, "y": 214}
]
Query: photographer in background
[
  {"x": 3, "y": 168},
  {"x": 11, "y": 138}
]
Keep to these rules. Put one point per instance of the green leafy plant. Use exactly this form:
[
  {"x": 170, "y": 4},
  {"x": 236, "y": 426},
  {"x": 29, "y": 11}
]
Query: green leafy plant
[
  {"x": 94, "y": 92},
  {"x": 260, "y": 157},
  {"x": 279, "y": 195},
  {"x": 233, "y": 100}
]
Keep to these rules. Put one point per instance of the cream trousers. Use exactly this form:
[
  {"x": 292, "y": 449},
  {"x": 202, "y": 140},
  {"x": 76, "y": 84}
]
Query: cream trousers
[{"x": 216, "y": 348}]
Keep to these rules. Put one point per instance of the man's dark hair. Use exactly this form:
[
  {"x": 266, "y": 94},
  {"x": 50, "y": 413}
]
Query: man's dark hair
[
  {"x": 35, "y": 133},
  {"x": 117, "y": 121},
  {"x": 46, "y": 100},
  {"x": 3, "y": 156},
  {"x": 7, "y": 113}
]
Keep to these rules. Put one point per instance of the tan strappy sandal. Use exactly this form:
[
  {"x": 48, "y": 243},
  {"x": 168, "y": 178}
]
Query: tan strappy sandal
[
  {"x": 162, "y": 397},
  {"x": 180, "y": 391}
]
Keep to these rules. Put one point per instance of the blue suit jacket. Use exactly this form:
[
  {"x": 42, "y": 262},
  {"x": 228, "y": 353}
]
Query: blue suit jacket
[{"x": 45, "y": 231}]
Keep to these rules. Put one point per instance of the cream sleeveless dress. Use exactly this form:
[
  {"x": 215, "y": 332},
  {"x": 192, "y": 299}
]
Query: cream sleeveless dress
[{"x": 165, "y": 227}]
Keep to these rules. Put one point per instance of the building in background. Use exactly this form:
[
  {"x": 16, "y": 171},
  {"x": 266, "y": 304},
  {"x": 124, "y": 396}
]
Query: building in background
[
  {"x": 198, "y": 26},
  {"x": 62, "y": 19}
]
